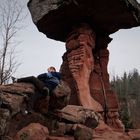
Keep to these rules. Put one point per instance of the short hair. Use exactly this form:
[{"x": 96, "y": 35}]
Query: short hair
[{"x": 51, "y": 68}]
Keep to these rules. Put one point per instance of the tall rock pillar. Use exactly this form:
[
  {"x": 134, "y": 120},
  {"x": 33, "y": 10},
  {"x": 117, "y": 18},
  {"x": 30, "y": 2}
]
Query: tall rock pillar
[{"x": 85, "y": 69}]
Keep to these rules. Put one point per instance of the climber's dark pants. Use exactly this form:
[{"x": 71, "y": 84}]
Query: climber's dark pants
[
  {"x": 35, "y": 81},
  {"x": 40, "y": 93}
]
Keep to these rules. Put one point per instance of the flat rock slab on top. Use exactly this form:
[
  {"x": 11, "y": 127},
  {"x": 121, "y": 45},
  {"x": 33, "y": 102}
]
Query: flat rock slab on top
[{"x": 55, "y": 18}]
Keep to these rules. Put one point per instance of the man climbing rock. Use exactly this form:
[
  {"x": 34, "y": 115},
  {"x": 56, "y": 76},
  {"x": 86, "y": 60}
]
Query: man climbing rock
[{"x": 45, "y": 83}]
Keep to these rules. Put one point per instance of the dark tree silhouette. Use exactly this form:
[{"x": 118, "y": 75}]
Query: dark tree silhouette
[{"x": 128, "y": 89}]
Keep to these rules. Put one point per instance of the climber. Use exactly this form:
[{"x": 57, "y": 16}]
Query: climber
[
  {"x": 50, "y": 79},
  {"x": 45, "y": 83}
]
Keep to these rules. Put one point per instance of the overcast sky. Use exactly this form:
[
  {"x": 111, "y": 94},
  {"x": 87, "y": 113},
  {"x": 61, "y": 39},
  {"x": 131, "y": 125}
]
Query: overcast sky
[{"x": 37, "y": 52}]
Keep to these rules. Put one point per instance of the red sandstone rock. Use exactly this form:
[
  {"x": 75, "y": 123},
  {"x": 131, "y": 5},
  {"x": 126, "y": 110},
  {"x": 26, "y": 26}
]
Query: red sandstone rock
[
  {"x": 88, "y": 68},
  {"x": 84, "y": 68},
  {"x": 58, "y": 99},
  {"x": 85, "y": 62},
  {"x": 79, "y": 46},
  {"x": 134, "y": 134},
  {"x": 20, "y": 121},
  {"x": 14, "y": 124},
  {"x": 83, "y": 133},
  {"x": 33, "y": 131},
  {"x": 12, "y": 101},
  {"x": 104, "y": 132},
  {"x": 79, "y": 115},
  {"x": 18, "y": 88}
]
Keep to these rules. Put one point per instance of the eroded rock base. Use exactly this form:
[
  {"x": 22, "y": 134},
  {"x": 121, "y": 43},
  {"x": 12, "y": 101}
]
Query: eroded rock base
[{"x": 71, "y": 122}]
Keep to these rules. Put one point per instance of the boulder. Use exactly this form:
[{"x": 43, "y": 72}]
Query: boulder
[
  {"x": 55, "y": 18},
  {"x": 83, "y": 133},
  {"x": 33, "y": 131},
  {"x": 18, "y": 88},
  {"x": 8, "y": 101},
  {"x": 79, "y": 115}
]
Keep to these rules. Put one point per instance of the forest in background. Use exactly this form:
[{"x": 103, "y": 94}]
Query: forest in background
[{"x": 127, "y": 88}]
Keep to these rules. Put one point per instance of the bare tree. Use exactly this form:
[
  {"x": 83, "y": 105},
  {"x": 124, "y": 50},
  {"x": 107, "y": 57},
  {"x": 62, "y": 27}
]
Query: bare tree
[{"x": 11, "y": 18}]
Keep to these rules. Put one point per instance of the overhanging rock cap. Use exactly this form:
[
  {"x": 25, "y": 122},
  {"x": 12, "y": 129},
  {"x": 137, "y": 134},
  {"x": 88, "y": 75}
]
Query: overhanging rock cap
[{"x": 55, "y": 18}]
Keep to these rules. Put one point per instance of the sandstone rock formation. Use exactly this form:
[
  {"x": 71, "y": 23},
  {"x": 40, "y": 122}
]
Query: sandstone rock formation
[
  {"x": 69, "y": 123},
  {"x": 87, "y": 75},
  {"x": 55, "y": 18},
  {"x": 85, "y": 61},
  {"x": 61, "y": 122},
  {"x": 83, "y": 106},
  {"x": 79, "y": 45},
  {"x": 18, "y": 123}
]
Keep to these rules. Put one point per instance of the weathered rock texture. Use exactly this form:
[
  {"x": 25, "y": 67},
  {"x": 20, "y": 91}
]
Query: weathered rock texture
[
  {"x": 85, "y": 61},
  {"x": 14, "y": 105},
  {"x": 34, "y": 131},
  {"x": 70, "y": 123},
  {"x": 83, "y": 107},
  {"x": 55, "y": 18},
  {"x": 18, "y": 122},
  {"x": 80, "y": 59},
  {"x": 85, "y": 69}
]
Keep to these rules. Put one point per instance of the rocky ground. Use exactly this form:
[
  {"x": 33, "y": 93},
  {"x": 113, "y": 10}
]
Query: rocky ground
[{"x": 59, "y": 122}]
